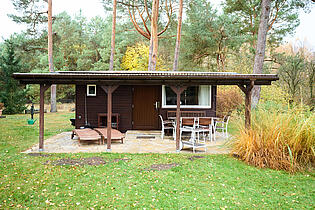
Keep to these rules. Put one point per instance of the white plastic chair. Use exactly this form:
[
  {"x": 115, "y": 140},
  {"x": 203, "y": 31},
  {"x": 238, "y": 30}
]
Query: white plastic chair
[
  {"x": 206, "y": 126},
  {"x": 167, "y": 125},
  {"x": 190, "y": 124},
  {"x": 223, "y": 125}
]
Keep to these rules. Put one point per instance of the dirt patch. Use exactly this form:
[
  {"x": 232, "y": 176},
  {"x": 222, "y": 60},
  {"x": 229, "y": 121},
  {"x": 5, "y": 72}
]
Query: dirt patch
[
  {"x": 92, "y": 161},
  {"x": 192, "y": 158},
  {"x": 161, "y": 167},
  {"x": 120, "y": 159},
  {"x": 38, "y": 155}
]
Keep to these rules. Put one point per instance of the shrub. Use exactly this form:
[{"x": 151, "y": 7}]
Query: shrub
[
  {"x": 228, "y": 99},
  {"x": 1, "y": 106},
  {"x": 274, "y": 93},
  {"x": 282, "y": 140}
]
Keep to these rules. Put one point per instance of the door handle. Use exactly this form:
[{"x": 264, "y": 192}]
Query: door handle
[{"x": 157, "y": 105}]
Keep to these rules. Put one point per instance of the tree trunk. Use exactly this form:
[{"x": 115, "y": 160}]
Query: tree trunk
[
  {"x": 53, "y": 104},
  {"x": 112, "y": 52},
  {"x": 311, "y": 80},
  {"x": 260, "y": 47},
  {"x": 154, "y": 36},
  {"x": 179, "y": 31}
]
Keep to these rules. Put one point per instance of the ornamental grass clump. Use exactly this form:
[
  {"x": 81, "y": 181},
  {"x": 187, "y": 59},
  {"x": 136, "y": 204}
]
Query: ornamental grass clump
[{"x": 282, "y": 140}]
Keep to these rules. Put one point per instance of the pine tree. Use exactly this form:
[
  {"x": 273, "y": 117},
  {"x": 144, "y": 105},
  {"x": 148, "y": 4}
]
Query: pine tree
[{"x": 11, "y": 93}]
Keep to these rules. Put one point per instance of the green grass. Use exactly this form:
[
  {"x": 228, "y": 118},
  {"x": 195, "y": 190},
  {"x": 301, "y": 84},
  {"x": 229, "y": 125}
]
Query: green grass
[{"x": 218, "y": 181}]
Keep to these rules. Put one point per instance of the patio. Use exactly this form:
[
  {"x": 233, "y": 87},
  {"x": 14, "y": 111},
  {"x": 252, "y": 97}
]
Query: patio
[{"x": 135, "y": 142}]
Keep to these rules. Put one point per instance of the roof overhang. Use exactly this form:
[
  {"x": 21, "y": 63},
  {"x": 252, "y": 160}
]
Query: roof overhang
[{"x": 144, "y": 77}]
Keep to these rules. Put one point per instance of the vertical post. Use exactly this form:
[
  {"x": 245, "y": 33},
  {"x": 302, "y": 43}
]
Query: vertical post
[
  {"x": 109, "y": 119},
  {"x": 248, "y": 96},
  {"x": 43, "y": 88},
  {"x": 178, "y": 90},
  {"x": 177, "y": 121},
  {"x": 109, "y": 90}
]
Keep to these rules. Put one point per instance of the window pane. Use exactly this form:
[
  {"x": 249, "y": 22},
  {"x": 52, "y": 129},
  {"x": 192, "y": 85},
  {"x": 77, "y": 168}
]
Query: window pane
[
  {"x": 192, "y": 96},
  {"x": 170, "y": 96},
  {"x": 92, "y": 90}
]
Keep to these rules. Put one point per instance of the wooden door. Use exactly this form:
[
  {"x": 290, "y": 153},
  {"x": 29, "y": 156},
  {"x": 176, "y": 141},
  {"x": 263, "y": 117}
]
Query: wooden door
[{"x": 145, "y": 115}]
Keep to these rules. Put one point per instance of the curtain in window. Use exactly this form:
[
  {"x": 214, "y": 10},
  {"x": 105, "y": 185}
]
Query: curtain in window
[{"x": 204, "y": 95}]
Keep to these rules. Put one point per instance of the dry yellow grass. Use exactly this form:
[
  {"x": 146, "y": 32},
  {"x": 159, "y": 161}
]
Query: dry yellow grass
[{"x": 278, "y": 140}]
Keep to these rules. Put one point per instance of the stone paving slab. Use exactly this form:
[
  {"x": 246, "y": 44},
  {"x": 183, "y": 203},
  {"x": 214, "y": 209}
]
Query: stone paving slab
[{"x": 62, "y": 143}]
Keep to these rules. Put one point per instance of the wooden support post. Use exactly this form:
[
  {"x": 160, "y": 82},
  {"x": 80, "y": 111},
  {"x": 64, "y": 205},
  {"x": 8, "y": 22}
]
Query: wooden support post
[
  {"x": 43, "y": 88},
  {"x": 109, "y": 90},
  {"x": 248, "y": 95},
  {"x": 178, "y": 90}
]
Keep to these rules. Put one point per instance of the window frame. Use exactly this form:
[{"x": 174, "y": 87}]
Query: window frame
[
  {"x": 87, "y": 90},
  {"x": 164, "y": 106}
]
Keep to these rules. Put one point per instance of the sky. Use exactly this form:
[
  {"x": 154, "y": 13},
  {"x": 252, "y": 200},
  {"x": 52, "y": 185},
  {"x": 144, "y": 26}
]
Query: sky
[{"x": 305, "y": 33}]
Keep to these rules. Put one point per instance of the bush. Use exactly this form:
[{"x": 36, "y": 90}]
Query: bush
[
  {"x": 228, "y": 99},
  {"x": 274, "y": 93},
  {"x": 282, "y": 140}
]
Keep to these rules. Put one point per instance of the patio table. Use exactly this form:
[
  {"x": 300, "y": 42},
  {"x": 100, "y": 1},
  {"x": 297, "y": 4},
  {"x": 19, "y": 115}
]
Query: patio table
[{"x": 195, "y": 130}]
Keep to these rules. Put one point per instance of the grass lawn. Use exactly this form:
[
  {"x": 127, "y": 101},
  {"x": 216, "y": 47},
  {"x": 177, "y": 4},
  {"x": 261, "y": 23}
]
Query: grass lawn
[{"x": 218, "y": 181}]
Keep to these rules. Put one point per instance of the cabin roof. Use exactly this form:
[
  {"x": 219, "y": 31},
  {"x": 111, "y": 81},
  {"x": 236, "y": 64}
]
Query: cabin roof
[{"x": 144, "y": 77}]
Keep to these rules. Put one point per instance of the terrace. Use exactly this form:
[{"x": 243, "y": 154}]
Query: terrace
[{"x": 135, "y": 142}]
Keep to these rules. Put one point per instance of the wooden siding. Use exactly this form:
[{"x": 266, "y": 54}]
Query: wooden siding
[
  {"x": 122, "y": 101},
  {"x": 122, "y": 104}
]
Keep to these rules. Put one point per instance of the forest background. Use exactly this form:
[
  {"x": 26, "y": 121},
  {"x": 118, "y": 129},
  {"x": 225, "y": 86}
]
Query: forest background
[{"x": 216, "y": 40}]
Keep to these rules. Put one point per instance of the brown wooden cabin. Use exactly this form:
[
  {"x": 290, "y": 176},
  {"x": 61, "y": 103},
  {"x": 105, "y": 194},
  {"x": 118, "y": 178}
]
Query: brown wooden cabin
[
  {"x": 138, "y": 97},
  {"x": 135, "y": 107}
]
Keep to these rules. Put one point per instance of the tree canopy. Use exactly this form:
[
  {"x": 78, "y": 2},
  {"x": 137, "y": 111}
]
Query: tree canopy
[
  {"x": 11, "y": 93},
  {"x": 211, "y": 40}
]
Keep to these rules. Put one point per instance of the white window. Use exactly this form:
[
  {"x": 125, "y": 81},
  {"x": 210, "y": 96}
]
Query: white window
[
  {"x": 192, "y": 97},
  {"x": 91, "y": 90}
]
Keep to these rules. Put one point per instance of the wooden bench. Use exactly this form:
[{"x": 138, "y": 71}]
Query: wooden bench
[
  {"x": 116, "y": 134},
  {"x": 86, "y": 134},
  {"x": 172, "y": 114}
]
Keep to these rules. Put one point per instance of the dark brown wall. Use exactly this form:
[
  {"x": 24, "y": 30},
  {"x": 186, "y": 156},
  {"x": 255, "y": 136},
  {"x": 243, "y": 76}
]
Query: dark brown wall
[
  {"x": 122, "y": 104},
  {"x": 122, "y": 101}
]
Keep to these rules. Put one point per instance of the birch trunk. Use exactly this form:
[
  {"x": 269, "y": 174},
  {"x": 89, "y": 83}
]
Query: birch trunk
[
  {"x": 179, "y": 31},
  {"x": 53, "y": 103},
  {"x": 112, "y": 52},
  {"x": 154, "y": 36},
  {"x": 260, "y": 47}
]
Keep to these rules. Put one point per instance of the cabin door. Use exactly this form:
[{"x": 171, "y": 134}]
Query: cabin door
[{"x": 145, "y": 111}]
